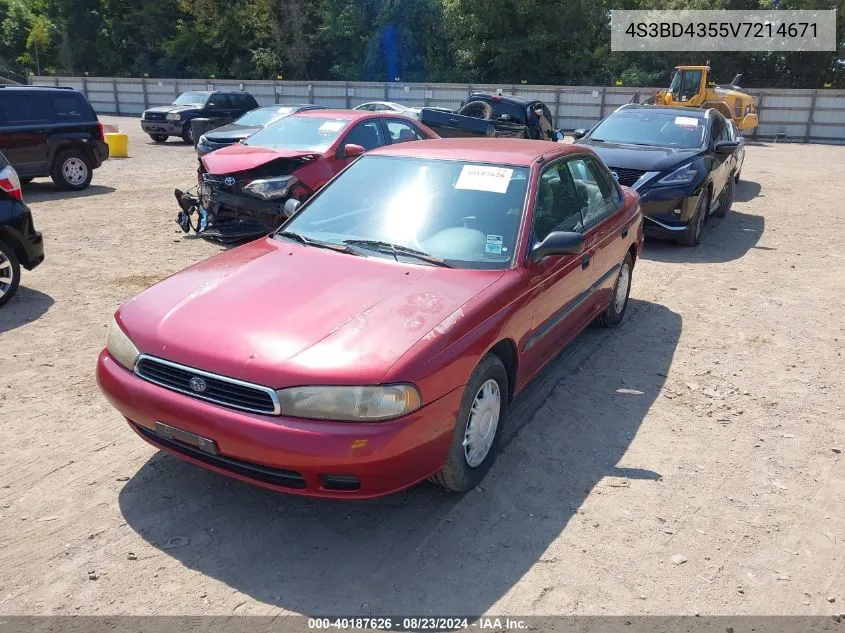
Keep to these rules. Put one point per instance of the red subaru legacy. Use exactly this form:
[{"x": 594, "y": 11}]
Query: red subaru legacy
[{"x": 377, "y": 338}]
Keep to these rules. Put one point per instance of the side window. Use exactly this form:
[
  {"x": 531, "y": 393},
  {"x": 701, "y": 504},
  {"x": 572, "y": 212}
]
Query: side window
[
  {"x": 401, "y": 132},
  {"x": 21, "y": 108},
  {"x": 367, "y": 134},
  {"x": 595, "y": 194},
  {"x": 557, "y": 207},
  {"x": 69, "y": 107}
]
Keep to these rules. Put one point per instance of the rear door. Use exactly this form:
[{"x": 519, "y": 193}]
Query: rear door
[{"x": 26, "y": 122}]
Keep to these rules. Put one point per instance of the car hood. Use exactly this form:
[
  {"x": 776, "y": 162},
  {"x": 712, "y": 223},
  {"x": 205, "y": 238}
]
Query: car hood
[
  {"x": 173, "y": 108},
  {"x": 641, "y": 156},
  {"x": 235, "y": 158},
  {"x": 278, "y": 313},
  {"x": 231, "y": 133}
]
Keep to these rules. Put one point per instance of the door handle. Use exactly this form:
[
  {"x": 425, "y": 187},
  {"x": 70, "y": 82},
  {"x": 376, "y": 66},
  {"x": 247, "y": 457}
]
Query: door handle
[
  {"x": 625, "y": 232},
  {"x": 585, "y": 263}
]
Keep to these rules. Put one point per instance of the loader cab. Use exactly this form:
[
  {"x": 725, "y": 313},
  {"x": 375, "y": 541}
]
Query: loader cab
[{"x": 688, "y": 87}]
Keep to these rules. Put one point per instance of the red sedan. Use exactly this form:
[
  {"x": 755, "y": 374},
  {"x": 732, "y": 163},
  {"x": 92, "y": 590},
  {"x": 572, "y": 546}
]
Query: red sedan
[{"x": 376, "y": 339}]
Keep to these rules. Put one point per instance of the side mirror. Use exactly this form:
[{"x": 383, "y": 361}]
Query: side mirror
[
  {"x": 558, "y": 243},
  {"x": 351, "y": 151},
  {"x": 580, "y": 133},
  {"x": 291, "y": 205},
  {"x": 559, "y": 135},
  {"x": 726, "y": 147}
]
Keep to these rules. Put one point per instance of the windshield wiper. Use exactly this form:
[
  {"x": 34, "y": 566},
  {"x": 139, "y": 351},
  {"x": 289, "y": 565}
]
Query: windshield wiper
[
  {"x": 307, "y": 241},
  {"x": 394, "y": 249}
]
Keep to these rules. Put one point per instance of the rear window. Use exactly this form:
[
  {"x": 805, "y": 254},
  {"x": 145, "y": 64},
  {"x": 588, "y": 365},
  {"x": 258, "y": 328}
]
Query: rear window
[
  {"x": 20, "y": 108},
  {"x": 70, "y": 106}
]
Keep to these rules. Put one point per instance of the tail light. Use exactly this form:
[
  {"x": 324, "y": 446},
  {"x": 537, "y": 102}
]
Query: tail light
[
  {"x": 10, "y": 183},
  {"x": 102, "y": 131}
]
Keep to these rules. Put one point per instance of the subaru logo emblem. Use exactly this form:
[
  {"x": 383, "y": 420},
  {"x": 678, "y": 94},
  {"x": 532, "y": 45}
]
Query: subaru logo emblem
[
  {"x": 198, "y": 384},
  {"x": 229, "y": 181}
]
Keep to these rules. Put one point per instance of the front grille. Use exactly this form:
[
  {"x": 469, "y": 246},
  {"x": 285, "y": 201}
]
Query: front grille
[
  {"x": 218, "y": 183},
  {"x": 627, "y": 177},
  {"x": 154, "y": 116},
  {"x": 227, "y": 392},
  {"x": 275, "y": 476}
]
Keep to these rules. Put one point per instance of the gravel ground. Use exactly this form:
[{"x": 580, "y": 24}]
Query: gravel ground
[{"x": 688, "y": 462}]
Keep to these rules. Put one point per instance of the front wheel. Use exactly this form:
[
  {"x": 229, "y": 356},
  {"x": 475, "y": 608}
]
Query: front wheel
[
  {"x": 478, "y": 430},
  {"x": 159, "y": 138},
  {"x": 695, "y": 228},
  {"x": 10, "y": 273},
  {"x": 726, "y": 199},
  {"x": 188, "y": 134},
  {"x": 72, "y": 170},
  {"x": 615, "y": 311}
]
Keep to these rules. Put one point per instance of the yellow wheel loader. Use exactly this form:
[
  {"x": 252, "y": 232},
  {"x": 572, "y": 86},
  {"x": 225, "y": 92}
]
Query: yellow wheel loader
[{"x": 691, "y": 88}]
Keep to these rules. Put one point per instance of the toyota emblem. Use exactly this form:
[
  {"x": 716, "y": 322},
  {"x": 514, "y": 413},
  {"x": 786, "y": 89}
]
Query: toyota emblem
[
  {"x": 229, "y": 181},
  {"x": 198, "y": 384}
]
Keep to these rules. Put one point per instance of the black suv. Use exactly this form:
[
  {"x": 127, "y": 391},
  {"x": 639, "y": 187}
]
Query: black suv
[
  {"x": 20, "y": 243},
  {"x": 51, "y": 132},
  {"x": 175, "y": 119}
]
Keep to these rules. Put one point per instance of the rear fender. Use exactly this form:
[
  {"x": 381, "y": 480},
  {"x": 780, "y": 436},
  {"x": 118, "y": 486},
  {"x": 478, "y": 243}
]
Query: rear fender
[{"x": 59, "y": 142}]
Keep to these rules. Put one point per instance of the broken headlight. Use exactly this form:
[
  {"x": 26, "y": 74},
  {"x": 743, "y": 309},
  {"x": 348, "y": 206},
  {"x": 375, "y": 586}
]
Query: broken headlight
[{"x": 270, "y": 188}]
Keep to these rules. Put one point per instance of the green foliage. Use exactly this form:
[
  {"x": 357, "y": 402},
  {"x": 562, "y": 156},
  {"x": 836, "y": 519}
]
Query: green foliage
[{"x": 478, "y": 41}]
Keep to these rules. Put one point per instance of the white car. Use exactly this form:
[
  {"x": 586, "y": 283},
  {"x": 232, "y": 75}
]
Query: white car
[{"x": 388, "y": 106}]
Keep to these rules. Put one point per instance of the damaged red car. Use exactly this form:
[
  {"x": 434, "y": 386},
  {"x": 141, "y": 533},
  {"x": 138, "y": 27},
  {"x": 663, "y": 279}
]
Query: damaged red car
[
  {"x": 243, "y": 188},
  {"x": 378, "y": 337}
]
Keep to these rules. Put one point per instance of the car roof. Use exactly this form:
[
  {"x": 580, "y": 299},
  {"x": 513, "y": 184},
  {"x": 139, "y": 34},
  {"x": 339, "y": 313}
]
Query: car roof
[
  {"x": 346, "y": 115},
  {"x": 510, "y": 151},
  {"x": 690, "y": 112}
]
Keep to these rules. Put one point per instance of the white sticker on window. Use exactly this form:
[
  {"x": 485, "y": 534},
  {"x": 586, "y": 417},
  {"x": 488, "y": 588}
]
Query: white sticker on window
[
  {"x": 331, "y": 126},
  {"x": 483, "y": 178},
  {"x": 494, "y": 244},
  {"x": 686, "y": 121}
]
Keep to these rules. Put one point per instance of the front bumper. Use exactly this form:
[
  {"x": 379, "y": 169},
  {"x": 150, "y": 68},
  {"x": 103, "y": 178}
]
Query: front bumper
[
  {"x": 667, "y": 211},
  {"x": 163, "y": 126},
  {"x": 289, "y": 454}
]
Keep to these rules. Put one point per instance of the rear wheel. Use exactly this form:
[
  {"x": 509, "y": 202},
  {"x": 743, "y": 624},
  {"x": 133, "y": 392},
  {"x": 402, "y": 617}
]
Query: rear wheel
[
  {"x": 72, "y": 170},
  {"x": 615, "y": 311},
  {"x": 478, "y": 430},
  {"x": 726, "y": 199},
  {"x": 10, "y": 273},
  {"x": 159, "y": 138},
  {"x": 695, "y": 228}
]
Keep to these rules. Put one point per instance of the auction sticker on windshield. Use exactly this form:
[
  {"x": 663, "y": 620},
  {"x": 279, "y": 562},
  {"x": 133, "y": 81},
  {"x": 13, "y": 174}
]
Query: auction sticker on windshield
[
  {"x": 494, "y": 244},
  {"x": 331, "y": 126},
  {"x": 483, "y": 178},
  {"x": 686, "y": 121}
]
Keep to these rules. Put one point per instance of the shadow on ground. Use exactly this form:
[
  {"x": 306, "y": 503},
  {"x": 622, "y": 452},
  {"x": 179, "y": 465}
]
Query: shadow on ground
[
  {"x": 725, "y": 239},
  {"x": 746, "y": 190},
  {"x": 424, "y": 550},
  {"x": 26, "y": 306},
  {"x": 39, "y": 191}
]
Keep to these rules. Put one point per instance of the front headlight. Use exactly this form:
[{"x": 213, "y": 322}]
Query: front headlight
[
  {"x": 174, "y": 116},
  {"x": 350, "y": 404},
  {"x": 681, "y": 176},
  {"x": 202, "y": 140},
  {"x": 270, "y": 188},
  {"x": 120, "y": 347}
]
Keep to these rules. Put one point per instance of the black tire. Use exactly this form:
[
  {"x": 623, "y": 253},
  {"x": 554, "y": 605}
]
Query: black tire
[
  {"x": 188, "y": 133},
  {"x": 457, "y": 475},
  {"x": 10, "y": 273},
  {"x": 726, "y": 199},
  {"x": 477, "y": 109},
  {"x": 72, "y": 170},
  {"x": 695, "y": 228},
  {"x": 614, "y": 312},
  {"x": 737, "y": 178},
  {"x": 159, "y": 138}
]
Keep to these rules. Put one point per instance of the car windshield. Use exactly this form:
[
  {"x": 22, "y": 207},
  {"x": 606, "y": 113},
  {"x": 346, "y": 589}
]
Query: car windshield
[
  {"x": 192, "y": 98},
  {"x": 315, "y": 134},
  {"x": 652, "y": 127},
  {"x": 263, "y": 116},
  {"x": 466, "y": 214}
]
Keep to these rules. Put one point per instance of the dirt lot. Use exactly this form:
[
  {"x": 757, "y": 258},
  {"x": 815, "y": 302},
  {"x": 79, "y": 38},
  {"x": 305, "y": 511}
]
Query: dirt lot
[{"x": 707, "y": 430}]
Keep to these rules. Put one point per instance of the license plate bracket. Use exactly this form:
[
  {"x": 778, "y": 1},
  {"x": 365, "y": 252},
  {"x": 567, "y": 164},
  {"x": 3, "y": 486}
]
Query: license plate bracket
[{"x": 184, "y": 437}]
